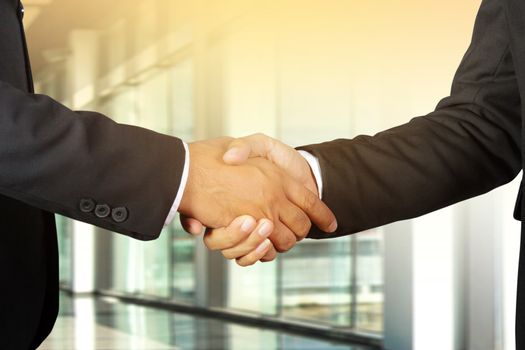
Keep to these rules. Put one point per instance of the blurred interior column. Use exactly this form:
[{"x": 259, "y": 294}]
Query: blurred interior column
[
  {"x": 491, "y": 269},
  {"x": 423, "y": 288},
  {"x": 82, "y": 72}
]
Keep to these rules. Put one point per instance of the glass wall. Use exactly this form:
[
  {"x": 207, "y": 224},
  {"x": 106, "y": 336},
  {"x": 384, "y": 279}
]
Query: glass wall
[
  {"x": 162, "y": 101},
  {"x": 253, "y": 289},
  {"x": 232, "y": 76},
  {"x": 326, "y": 282},
  {"x": 64, "y": 232},
  {"x": 303, "y": 72},
  {"x": 303, "y": 97},
  {"x": 368, "y": 296},
  {"x": 317, "y": 282}
]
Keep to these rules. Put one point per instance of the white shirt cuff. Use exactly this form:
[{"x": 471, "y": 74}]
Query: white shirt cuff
[
  {"x": 182, "y": 187},
  {"x": 316, "y": 170}
]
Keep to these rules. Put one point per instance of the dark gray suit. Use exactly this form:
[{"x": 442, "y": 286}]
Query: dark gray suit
[
  {"x": 79, "y": 164},
  {"x": 471, "y": 144}
]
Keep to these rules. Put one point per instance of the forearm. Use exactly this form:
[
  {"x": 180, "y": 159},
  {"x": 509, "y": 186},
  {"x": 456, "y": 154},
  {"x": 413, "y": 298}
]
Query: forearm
[
  {"x": 52, "y": 158},
  {"x": 469, "y": 145},
  {"x": 413, "y": 170}
]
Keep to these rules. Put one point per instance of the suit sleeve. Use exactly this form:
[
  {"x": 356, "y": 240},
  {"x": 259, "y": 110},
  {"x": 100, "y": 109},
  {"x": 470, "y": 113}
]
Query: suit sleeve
[
  {"x": 468, "y": 146},
  {"x": 85, "y": 166}
]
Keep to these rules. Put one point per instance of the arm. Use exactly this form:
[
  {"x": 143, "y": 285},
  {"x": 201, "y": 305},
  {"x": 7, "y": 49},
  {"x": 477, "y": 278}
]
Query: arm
[
  {"x": 53, "y": 158},
  {"x": 125, "y": 179},
  {"x": 469, "y": 145}
]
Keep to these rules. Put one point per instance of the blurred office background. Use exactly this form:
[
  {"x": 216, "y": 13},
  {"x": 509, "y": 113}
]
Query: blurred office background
[{"x": 304, "y": 72}]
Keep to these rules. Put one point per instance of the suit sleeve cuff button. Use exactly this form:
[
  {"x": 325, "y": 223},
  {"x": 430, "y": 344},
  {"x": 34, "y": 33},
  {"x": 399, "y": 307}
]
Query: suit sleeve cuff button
[
  {"x": 102, "y": 211},
  {"x": 87, "y": 205},
  {"x": 120, "y": 214}
]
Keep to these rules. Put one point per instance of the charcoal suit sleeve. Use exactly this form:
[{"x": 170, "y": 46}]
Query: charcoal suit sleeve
[
  {"x": 85, "y": 166},
  {"x": 468, "y": 146}
]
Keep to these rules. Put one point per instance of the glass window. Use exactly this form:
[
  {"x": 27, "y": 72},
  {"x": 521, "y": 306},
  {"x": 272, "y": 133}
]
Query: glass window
[
  {"x": 369, "y": 279},
  {"x": 316, "y": 281},
  {"x": 181, "y": 116},
  {"x": 165, "y": 267},
  {"x": 183, "y": 264},
  {"x": 64, "y": 232},
  {"x": 253, "y": 288},
  {"x": 140, "y": 267},
  {"x": 153, "y": 102},
  {"x": 152, "y": 113},
  {"x": 181, "y": 102},
  {"x": 121, "y": 107},
  {"x": 337, "y": 282},
  {"x": 344, "y": 283}
]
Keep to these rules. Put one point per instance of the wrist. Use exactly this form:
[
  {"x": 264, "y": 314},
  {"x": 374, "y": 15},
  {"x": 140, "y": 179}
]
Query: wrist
[
  {"x": 310, "y": 182},
  {"x": 313, "y": 178},
  {"x": 186, "y": 201}
]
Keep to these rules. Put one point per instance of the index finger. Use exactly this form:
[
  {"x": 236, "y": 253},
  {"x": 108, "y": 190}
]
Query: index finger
[
  {"x": 190, "y": 225},
  {"x": 311, "y": 204}
]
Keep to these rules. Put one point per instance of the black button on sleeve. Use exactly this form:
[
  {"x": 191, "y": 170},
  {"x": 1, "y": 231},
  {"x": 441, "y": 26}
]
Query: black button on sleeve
[
  {"x": 102, "y": 211},
  {"x": 120, "y": 214},
  {"x": 87, "y": 205}
]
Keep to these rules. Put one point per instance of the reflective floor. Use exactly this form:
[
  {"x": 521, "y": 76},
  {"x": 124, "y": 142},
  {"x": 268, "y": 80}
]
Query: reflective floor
[{"x": 89, "y": 324}]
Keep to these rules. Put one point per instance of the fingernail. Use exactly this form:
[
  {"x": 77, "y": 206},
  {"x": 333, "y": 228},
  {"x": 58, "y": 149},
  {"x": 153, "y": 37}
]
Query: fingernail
[
  {"x": 262, "y": 247},
  {"x": 333, "y": 226},
  {"x": 195, "y": 229},
  {"x": 232, "y": 152},
  {"x": 265, "y": 229},
  {"x": 247, "y": 225}
]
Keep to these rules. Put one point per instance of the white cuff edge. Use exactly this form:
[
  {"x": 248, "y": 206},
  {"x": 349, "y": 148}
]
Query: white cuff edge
[
  {"x": 316, "y": 170},
  {"x": 182, "y": 187}
]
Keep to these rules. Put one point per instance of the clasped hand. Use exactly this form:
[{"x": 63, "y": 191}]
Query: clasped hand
[{"x": 256, "y": 196}]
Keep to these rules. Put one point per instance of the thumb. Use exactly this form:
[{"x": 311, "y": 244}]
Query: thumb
[{"x": 239, "y": 150}]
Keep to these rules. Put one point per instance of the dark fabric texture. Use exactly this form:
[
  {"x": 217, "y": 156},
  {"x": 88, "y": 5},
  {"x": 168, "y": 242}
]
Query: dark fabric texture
[
  {"x": 53, "y": 159},
  {"x": 471, "y": 144}
]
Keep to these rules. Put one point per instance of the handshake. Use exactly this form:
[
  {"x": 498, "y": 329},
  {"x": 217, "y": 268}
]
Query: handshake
[{"x": 256, "y": 196}]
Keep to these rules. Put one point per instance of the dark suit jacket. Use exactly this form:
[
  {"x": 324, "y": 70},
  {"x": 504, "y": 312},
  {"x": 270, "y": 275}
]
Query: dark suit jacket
[
  {"x": 469, "y": 145},
  {"x": 79, "y": 164}
]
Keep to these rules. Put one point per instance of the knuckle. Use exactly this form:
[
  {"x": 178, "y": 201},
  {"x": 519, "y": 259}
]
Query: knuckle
[
  {"x": 259, "y": 135},
  {"x": 269, "y": 258},
  {"x": 309, "y": 200},
  {"x": 302, "y": 223},
  {"x": 252, "y": 244},
  {"x": 270, "y": 197},
  {"x": 218, "y": 242},
  {"x": 245, "y": 262},
  {"x": 305, "y": 228},
  {"x": 208, "y": 241},
  {"x": 286, "y": 244},
  {"x": 228, "y": 255}
]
